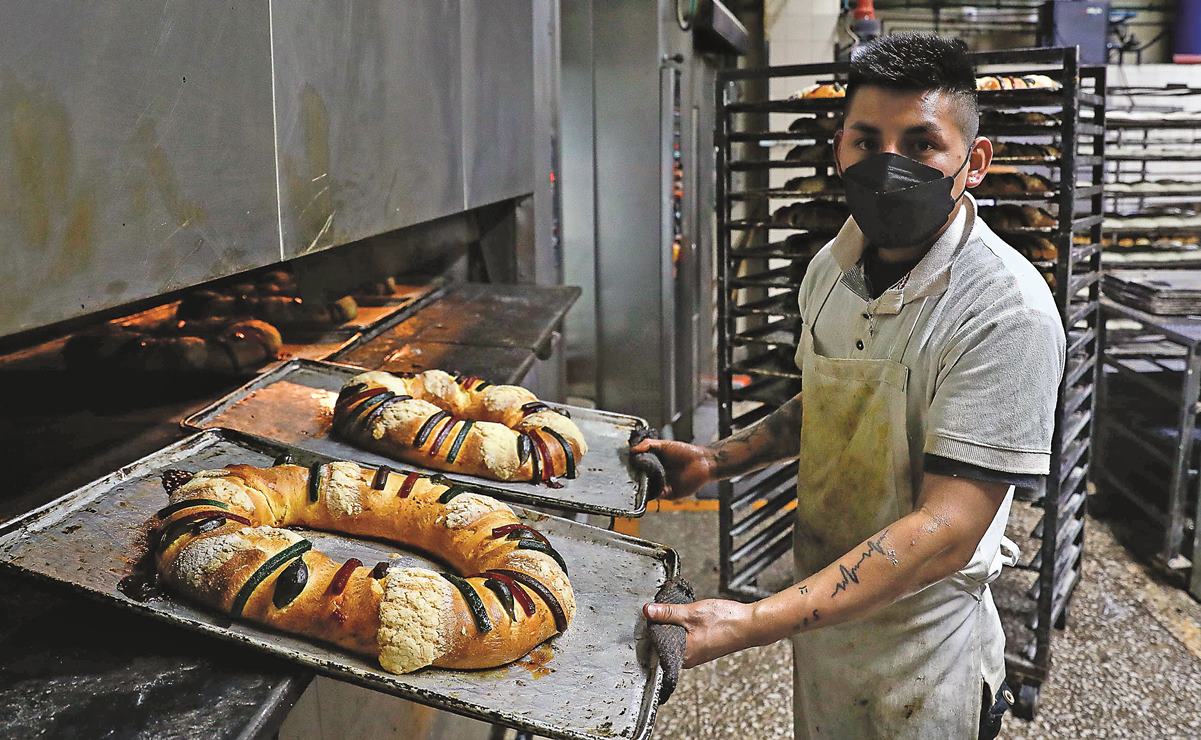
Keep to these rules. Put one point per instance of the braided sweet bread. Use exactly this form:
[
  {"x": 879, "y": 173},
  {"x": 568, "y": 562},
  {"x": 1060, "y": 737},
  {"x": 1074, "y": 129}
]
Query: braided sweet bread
[
  {"x": 220, "y": 543},
  {"x": 464, "y": 424}
]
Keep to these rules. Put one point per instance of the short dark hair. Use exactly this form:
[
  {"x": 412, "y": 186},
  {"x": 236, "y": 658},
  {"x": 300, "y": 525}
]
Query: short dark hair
[{"x": 920, "y": 61}]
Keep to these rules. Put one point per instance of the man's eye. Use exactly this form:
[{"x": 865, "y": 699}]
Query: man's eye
[
  {"x": 924, "y": 146},
  {"x": 865, "y": 144}
]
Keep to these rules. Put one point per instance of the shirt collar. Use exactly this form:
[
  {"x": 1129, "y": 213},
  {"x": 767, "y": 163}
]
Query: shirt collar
[{"x": 930, "y": 276}]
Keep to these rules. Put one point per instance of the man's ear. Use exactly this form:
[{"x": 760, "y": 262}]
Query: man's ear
[
  {"x": 979, "y": 160},
  {"x": 835, "y": 143}
]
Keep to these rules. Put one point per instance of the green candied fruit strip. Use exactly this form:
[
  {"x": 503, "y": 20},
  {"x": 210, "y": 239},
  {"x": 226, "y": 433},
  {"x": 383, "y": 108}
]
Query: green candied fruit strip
[
  {"x": 478, "y": 612},
  {"x": 266, "y": 569}
]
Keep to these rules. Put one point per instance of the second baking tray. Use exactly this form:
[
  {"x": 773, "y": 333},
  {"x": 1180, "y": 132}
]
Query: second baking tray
[
  {"x": 293, "y": 405},
  {"x": 597, "y": 680}
]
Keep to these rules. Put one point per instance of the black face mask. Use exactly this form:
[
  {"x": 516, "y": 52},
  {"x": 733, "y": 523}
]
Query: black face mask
[{"x": 899, "y": 202}]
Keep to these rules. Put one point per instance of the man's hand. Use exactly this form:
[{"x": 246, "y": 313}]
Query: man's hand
[
  {"x": 773, "y": 439},
  {"x": 688, "y": 467},
  {"x": 715, "y": 627}
]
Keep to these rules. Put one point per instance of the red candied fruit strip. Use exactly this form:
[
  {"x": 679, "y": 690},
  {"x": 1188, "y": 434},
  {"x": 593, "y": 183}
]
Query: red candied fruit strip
[
  {"x": 407, "y": 487},
  {"x": 499, "y": 532},
  {"x": 441, "y": 436},
  {"x": 350, "y": 400},
  {"x": 342, "y": 577},
  {"x": 527, "y": 604},
  {"x": 544, "y": 453}
]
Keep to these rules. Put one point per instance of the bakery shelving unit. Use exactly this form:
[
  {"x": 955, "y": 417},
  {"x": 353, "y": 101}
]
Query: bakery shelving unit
[
  {"x": 1150, "y": 362},
  {"x": 1153, "y": 178},
  {"x": 1149, "y": 400},
  {"x": 762, "y": 256}
]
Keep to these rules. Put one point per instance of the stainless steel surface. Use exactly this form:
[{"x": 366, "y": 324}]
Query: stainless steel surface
[
  {"x": 148, "y": 147},
  {"x": 546, "y": 264},
  {"x": 598, "y": 684},
  {"x": 647, "y": 363},
  {"x": 487, "y": 314},
  {"x": 136, "y": 152},
  {"x": 293, "y": 403},
  {"x": 498, "y": 100},
  {"x": 577, "y": 186},
  {"x": 369, "y": 118},
  {"x": 670, "y": 115},
  {"x": 629, "y": 200},
  {"x": 485, "y": 329}
]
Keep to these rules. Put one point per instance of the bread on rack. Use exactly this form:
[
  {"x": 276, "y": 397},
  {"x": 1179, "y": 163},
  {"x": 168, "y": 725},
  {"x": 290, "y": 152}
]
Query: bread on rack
[
  {"x": 820, "y": 183},
  {"x": 222, "y": 542},
  {"x": 811, "y": 154},
  {"x": 1034, "y": 247},
  {"x": 1016, "y": 118},
  {"x": 173, "y": 346},
  {"x": 826, "y": 124},
  {"x": 818, "y": 215},
  {"x": 1010, "y": 216},
  {"x": 386, "y": 287},
  {"x": 293, "y": 311},
  {"x": 820, "y": 90},
  {"x": 1020, "y": 150},
  {"x": 782, "y": 216},
  {"x": 1003, "y": 150},
  {"x": 1013, "y": 82},
  {"x": 286, "y": 311},
  {"x": 462, "y": 424},
  {"x": 1013, "y": 183}
]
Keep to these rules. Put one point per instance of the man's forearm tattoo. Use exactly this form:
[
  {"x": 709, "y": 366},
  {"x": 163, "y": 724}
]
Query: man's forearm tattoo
[
  {"x": 775, "y": 438},
  {"x": 851, "y": 575}
]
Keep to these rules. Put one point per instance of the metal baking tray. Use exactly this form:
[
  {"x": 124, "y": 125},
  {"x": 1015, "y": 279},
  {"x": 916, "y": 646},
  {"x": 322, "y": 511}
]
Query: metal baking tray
[
  {"x": 293, "y": 404},
  {"x": 599, "y": 679}
]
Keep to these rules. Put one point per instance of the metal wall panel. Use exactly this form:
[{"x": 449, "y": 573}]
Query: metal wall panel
[
  {"x": 368, "y": 105},
  {"x": 577, "y": 180},
  {"x": 498, "y": 100},
  {"x": 136, "y": 152},
  {"x": 631, "y": 365}
]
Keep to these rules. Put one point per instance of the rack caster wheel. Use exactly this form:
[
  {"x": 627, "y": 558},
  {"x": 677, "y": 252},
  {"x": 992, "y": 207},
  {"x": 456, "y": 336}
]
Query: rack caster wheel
[{"x": 1027, "y": 701}]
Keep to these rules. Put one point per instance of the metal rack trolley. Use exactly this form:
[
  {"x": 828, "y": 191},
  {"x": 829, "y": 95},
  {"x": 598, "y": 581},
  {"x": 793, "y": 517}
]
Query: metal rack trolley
[
  {"x": 1159, "y": 363},
  {"x": 1147, "y": 142},
  {"x": 760, "y": 269}
]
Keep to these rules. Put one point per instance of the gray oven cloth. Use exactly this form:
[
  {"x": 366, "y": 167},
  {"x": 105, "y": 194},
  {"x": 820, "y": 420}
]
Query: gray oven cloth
[
  {"x": 648, "y": 463},
  {"x": 669, "y": 639}
]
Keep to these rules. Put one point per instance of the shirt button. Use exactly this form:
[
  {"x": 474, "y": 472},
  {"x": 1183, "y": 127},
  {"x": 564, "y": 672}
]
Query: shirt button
[{"x": 859, "y": 344}]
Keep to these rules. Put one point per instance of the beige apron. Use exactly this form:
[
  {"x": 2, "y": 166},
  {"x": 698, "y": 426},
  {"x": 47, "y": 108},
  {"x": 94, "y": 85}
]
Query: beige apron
[{"x": 913, "y": 669}]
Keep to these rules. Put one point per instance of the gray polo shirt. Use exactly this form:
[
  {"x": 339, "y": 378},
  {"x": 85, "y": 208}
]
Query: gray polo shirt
[{"x": 987, "y": 349}]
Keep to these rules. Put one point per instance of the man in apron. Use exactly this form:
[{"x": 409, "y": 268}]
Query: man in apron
[{"x": 930, "y": 354}]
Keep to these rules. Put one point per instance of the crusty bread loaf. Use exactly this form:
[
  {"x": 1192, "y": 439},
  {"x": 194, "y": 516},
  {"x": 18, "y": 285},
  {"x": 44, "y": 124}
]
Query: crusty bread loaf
[
  {"x": 468, "y": 425},
  {"x": 811, "y": 154},
  {"x": 1009, "y": 216},
  {"x": 221, "y": 543},
  {"x": 175, "y": 347}
]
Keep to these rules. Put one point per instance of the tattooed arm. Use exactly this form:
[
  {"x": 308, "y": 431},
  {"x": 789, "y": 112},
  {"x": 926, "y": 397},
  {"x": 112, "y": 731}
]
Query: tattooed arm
[
  {"x": 923, "y": 547},
  {"x": 773, "y": 439}
]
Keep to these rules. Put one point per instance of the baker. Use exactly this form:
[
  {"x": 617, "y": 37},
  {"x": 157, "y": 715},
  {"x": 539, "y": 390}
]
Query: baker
[{"x": 930, "y": 355}]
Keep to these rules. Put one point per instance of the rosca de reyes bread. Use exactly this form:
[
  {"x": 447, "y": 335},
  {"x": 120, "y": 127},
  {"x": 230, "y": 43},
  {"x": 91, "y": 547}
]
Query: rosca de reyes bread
[
  {"x": 461, "y": 424},
  {"x": 223, "y": 542}
]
